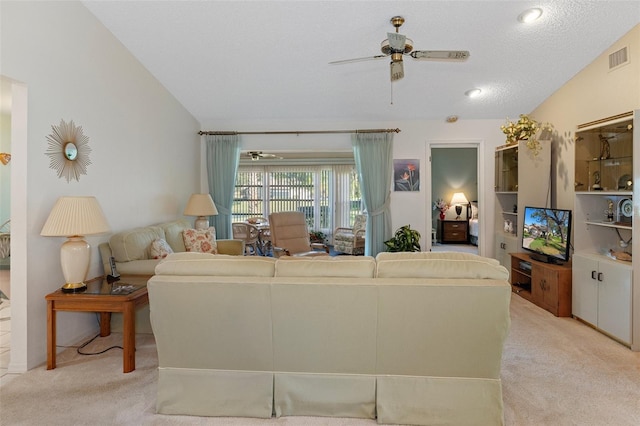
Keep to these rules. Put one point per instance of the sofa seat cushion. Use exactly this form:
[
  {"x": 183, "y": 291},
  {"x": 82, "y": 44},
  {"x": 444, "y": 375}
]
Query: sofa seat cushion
[
  {"x": 134, "y": 244},
  {"x": 138, "y": 267},
  {"x": 216, "y": 265},
  {"x": 326, "y": 266}
]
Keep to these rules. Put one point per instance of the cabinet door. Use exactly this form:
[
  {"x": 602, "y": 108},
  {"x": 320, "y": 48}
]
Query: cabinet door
[
  {"x": 614, "y": 301},
  {"x": 584, "y": 291},
  {"x": 545, "y": 288}
]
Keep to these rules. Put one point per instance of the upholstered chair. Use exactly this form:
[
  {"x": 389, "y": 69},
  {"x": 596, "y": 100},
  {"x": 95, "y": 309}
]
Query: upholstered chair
[
  {"x": 290, "y": 236},
  {"x": 351, "y": 240}
]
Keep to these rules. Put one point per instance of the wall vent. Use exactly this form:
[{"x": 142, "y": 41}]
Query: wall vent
[{"x": 618, "y": 58}]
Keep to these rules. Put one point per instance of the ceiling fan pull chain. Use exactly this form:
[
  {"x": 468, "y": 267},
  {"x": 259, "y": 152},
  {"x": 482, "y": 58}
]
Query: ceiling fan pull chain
[{"x": 391, "y": 84}]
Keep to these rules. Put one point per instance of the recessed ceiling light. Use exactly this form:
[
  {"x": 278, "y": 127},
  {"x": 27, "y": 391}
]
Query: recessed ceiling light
[
  {"x": 472, "y": 93},
  {"x": 530, "y": 15}
]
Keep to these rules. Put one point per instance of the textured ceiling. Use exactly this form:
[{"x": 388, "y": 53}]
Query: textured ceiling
[{"x": 269, "y": 60}]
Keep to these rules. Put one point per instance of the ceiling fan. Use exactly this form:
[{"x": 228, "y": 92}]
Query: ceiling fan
[
  {"x": 398, "y": 45},
  {"x": 257, "y": 155}
]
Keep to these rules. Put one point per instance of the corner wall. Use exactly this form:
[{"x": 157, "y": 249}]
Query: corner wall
[
  {"x": 592, "y": 94},
  {"x": 144, "y": 145}
]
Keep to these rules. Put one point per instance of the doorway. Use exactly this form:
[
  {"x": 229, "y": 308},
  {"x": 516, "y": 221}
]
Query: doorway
[{"x": 455, "y": 169}]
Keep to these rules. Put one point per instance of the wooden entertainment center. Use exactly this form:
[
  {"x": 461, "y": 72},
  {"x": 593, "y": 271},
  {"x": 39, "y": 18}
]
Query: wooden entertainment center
[{"x": 544, "y": 284}]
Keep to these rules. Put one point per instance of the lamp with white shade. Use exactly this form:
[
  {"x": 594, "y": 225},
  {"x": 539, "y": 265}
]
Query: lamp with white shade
[
  {"x": 75, "y": 217},
  {"x": 201, "y": 205},
  {"x": 458, "y": 200}
]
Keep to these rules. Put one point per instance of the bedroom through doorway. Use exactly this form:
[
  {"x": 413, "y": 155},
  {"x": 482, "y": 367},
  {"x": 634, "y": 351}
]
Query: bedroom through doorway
[{"x": 454, "y": 180}]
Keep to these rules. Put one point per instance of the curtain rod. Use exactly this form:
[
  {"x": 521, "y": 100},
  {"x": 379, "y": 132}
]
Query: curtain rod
[{"x": 300, "y": 132}]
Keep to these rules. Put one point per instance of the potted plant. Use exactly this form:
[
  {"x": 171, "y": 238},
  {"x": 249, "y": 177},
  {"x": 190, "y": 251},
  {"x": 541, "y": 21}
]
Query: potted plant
[
  {"x": 405, "y": 239},
  {"x": 317, "y": 237}
]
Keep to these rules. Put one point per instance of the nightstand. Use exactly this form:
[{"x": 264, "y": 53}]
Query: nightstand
[{"x": 454, "y": 231}]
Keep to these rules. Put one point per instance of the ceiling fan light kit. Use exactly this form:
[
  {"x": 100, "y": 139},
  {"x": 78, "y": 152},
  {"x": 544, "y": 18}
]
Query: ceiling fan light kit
[
  {"x": 473, "y": 93},
  {"x": 530, "y": 15},
  {"x": 397, "y": 45}
]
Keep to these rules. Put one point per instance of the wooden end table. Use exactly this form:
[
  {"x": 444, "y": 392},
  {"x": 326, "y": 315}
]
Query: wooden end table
[{"x": 103, "y": 298}]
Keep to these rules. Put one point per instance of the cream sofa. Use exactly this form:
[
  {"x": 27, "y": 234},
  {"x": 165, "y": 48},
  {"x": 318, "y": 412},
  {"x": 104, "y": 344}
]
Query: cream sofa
[
  {"x": 131, "y": 252},
  {"x": 130, "y": 248},
  {"x": 408, "y": 338}
]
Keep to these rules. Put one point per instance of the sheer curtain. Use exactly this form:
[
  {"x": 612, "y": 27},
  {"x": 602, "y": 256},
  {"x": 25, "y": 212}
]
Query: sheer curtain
[
  {"x": 373, "y": 152},
  {"x": 223, "y": 156},
  {"x": 342, "y": 192}
]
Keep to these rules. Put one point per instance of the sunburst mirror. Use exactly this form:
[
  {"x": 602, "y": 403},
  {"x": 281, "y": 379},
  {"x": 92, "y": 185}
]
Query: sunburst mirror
[{"x": 68, "y": 150}]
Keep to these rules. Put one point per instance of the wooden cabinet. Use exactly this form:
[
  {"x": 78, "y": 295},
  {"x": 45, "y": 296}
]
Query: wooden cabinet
[
  {"x": 521, "y": 179},
  {"x": 602, "y": 295},
  {"x": 454, "y": 231},
  {"x": 607, "y": 191},
  {"x": 544, "y": 284}
]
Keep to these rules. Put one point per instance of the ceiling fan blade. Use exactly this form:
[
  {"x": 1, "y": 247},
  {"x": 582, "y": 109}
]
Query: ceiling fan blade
[
  {"x": 396, "y": 41},
  {"x": 397, "y": 70},
  {"x": 441, "y": 55},
  {"x": 348, "y": 61}
]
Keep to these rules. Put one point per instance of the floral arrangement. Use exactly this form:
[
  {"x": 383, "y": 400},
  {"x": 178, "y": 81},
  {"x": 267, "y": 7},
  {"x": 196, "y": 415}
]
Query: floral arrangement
[
  {"x": 441, "y": 205},
  {"x": 524, "y": 129}
]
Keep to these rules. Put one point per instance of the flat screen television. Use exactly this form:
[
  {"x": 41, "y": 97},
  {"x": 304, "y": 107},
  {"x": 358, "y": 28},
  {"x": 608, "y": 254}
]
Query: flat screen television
[{"x": 546, "y": 234}]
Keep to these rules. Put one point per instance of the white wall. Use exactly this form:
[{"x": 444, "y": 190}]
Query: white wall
[
  {"x": 593, "y": 94},
  {"x": 413, "y": 141},
  {"x": 144, "y": 145}
]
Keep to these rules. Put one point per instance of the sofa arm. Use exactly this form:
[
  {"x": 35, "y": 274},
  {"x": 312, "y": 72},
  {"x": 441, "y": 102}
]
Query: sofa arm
[
  {"x": 105, "y": 254},
  {"x": 233, "y": 247}
]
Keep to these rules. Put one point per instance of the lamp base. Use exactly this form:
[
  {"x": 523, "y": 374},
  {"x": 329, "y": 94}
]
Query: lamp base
[
  {"x": 201, "y": 222},
  {"x": 74, "y": 288}
]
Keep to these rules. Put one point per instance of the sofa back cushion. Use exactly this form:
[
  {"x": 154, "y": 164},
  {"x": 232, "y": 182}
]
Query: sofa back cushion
[
  {"x": 448, "y": 255},
  {"x": 451, "y": 265},
  {"x": 134, "y": 244},
  {"x": 326, "y": 266},
  {"x": 173, "y": 233},
  {"x": 216, "y": 265}
]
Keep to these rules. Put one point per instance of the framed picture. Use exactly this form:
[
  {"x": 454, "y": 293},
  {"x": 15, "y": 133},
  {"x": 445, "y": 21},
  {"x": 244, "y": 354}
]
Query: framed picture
[{"x": 406, "y": 175}]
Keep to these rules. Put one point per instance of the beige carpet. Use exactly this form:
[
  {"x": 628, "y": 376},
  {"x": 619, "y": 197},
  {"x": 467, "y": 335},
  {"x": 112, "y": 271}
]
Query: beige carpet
[{"x": 556, "y": 371}]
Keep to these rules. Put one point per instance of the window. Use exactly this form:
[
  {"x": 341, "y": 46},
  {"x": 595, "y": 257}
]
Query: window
[{"x": 329, "y": 195}]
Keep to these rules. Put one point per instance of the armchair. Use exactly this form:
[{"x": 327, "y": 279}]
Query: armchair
[
  {"x": 351, "y": 240},
  {"x": 290, "y": 236}
]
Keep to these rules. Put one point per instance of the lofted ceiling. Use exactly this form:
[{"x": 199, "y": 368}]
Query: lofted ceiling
[{"x": 269, "y": 60}]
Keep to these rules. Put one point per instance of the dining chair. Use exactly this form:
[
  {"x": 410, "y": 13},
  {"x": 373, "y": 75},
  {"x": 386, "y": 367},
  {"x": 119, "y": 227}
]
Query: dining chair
[{"x": 249, "y": 234}]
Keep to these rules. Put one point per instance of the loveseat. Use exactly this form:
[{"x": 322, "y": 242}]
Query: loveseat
[
  {"x": 132, "y": 252},
  {"x": 131, "y": 248},
  {"x": 408, "y": 338}
]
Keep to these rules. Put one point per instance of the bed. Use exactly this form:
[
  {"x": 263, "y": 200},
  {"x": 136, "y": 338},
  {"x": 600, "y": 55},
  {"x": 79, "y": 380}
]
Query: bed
[{"x": 474, "y": 228}]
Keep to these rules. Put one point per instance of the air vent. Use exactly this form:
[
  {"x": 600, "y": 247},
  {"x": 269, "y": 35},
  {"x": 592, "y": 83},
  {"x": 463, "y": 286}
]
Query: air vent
[{"x": 618, "y": 58}]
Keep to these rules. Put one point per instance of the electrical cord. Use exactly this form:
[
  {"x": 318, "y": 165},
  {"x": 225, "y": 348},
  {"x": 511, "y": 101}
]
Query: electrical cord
[{"x": 78, "y": 348}]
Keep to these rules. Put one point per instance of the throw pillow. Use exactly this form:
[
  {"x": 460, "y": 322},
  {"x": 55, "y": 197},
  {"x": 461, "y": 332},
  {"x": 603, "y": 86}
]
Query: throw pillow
[
  {"x": 159, "y": 249},
  {"x": 200, "y": 240}
]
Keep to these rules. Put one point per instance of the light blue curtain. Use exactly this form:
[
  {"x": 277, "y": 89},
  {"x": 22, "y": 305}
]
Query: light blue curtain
[
  {"x": 223, "y": 156},
  {"x": 372, "y": 153}
]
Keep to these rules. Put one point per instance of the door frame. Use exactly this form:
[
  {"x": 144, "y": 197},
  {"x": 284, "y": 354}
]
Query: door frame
[{"x": 483, "y": 210}]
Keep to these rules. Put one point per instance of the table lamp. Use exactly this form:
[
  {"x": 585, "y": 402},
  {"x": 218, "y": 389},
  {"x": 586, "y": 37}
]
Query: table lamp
[
  {"x": 201, "y": 205},
  {"x": 458, "y": 200},
  {"x": 74, "y": 217}
]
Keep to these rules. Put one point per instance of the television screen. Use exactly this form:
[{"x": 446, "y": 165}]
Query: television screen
[{"x": 546, "y": 233}]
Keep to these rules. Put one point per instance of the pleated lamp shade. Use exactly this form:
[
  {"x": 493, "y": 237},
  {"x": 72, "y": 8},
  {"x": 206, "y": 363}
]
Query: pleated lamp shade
[{"x": 74, "y": 217}]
